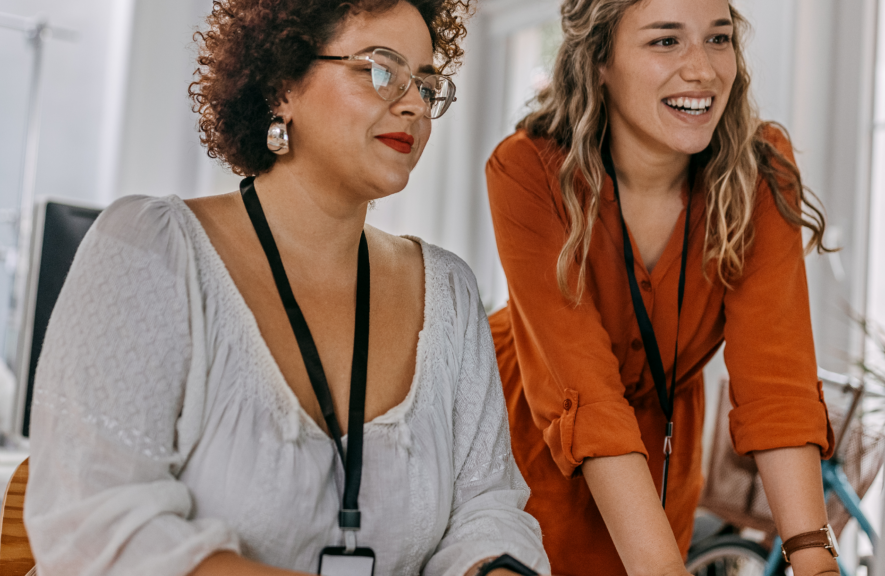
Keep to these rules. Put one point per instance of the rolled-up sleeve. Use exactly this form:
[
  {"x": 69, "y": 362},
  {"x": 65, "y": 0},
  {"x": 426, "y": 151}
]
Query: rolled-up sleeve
[
  {"x": 570, "y": 374},
  {"x": 119, "y": 367},
  {"x": 776, "y": 396}
]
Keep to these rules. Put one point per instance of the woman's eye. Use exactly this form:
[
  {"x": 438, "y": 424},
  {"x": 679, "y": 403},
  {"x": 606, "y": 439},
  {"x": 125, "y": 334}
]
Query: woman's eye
[
  {"x": 380, "y": 76},
  {"x": 664, "y": 42},
  {"x": 721, "y": 39}
]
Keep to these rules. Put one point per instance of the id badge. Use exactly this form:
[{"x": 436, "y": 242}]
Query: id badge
[{"x": 334, "y": 562}]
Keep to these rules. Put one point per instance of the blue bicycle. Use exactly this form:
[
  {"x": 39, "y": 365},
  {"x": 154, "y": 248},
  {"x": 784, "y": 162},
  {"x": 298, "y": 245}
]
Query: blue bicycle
[{"x": 719, "y": 549}]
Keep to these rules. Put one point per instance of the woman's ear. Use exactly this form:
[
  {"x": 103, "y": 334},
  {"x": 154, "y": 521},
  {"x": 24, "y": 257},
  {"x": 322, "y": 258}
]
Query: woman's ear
[
  {"x": 602, "y": 69},
  {"x": 284, "y": 104}
]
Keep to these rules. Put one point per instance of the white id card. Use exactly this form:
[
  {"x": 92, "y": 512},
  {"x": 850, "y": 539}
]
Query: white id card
[{"x": 334, "y": 562}]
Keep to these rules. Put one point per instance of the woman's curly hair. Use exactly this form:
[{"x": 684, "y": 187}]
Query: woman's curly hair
[{"x": 252, "y": 48}]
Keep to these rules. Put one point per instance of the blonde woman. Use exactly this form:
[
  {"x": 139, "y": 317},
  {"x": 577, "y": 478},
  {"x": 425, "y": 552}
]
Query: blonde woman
[{"x": 644, "y": 200}]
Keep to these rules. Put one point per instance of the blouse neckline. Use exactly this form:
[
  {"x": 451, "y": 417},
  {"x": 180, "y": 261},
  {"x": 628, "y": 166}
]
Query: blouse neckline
[{"x": 395, "y": 415}]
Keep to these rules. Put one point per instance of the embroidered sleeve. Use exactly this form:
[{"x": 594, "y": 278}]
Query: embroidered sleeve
[
  {"x": 487, "y": 517},
  {"x": 120, "y": 365}
]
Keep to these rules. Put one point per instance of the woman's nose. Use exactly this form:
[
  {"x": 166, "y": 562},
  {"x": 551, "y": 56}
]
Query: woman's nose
[
  {"x": 411, "y": 103},
  {"x": 697, "y": 66}
]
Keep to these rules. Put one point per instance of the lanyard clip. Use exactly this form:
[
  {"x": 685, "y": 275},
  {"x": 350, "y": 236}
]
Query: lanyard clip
[
  {"x": 668, "y": 445},
  {"x": 349, "y": 522}
]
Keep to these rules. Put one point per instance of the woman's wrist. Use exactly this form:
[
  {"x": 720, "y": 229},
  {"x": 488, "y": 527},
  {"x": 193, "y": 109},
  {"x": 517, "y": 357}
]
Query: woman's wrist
[{"x": 812, "y": 561}]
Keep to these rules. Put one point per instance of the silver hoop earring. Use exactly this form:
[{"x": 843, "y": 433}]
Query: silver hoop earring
[{"x": 278, "y": 137}]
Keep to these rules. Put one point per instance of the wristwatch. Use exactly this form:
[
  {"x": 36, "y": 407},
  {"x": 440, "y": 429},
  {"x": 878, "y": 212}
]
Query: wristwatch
[
  {"x": 823, "y": 538},
  {"x": 506, "y": 561}
]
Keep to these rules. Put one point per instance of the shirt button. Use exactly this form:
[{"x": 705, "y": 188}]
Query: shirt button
[
  {"x": 646, "y": 285},
  {"x": 567, "y": 404},
  {"x": 636, "y": 344}
]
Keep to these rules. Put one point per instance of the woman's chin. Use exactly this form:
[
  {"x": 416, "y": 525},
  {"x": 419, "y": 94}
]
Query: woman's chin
[
  {"x": 691, "y": 144},
  {"x": 389, "y": 186}
]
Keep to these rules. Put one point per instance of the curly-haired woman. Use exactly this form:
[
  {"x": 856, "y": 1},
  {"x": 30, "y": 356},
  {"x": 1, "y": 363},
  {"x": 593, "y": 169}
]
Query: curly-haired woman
[
  {"x": 643, "y": 200},
  {"x": 206, "y": 358}
]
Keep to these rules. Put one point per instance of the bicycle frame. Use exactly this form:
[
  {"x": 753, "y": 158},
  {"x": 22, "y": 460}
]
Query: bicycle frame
[{"x": 835, "y": 482}]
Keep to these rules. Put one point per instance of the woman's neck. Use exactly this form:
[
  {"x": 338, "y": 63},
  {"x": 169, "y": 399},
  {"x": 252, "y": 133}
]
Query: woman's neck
[
  {"x": 648, "y": 172},
  {"x": 313, "y": 218}
]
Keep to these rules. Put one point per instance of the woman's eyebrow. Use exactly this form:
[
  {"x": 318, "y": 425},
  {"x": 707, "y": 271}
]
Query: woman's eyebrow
[
  {"x": 425, "y": 69},
  {"x": 681, "y": 26}
]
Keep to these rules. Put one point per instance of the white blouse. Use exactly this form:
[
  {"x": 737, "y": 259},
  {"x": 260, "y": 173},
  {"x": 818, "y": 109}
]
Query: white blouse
[{"x": 163, "y": 430}]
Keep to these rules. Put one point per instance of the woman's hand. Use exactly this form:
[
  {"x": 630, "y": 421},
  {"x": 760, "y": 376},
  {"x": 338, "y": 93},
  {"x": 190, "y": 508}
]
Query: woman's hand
[
  {"x": 227, "y": 563},
  {"x": 496, "y": 572}
]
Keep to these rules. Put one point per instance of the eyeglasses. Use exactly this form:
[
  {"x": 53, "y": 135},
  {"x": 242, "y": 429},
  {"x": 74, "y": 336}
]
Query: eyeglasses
[{"x": 392, "y": 78}]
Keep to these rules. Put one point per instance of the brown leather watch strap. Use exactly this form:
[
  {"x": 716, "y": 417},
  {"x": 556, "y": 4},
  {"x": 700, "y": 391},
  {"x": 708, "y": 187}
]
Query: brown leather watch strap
[{"x": 822, "y": 538}]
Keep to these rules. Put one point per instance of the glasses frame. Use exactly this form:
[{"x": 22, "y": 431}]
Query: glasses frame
[{"x": 418, "y": 81}]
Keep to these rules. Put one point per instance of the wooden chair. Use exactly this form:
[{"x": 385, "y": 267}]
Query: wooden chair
[{"x": 16, "y": 558}]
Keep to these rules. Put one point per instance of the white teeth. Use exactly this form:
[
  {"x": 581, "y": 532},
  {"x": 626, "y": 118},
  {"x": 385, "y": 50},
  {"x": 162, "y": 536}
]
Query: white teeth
[{"x": 693, "y": 106}]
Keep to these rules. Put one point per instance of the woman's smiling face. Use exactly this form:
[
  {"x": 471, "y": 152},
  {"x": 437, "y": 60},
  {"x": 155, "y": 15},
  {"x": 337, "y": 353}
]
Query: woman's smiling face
[
  {"x": 671, "y": 73},
  {"x": 342, "y": 128}
]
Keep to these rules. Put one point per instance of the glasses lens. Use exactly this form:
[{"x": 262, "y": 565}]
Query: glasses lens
[
  {"x": 390, "y": 75},
  {"x": 441, "y": 93},
  {"x": 381, "y": 77}
]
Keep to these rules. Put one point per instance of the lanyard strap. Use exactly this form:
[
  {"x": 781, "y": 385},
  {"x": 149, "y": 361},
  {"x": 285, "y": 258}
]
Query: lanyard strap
[
  {"x": 349, "y": 516},
  {"x": 649, "y": 342}
]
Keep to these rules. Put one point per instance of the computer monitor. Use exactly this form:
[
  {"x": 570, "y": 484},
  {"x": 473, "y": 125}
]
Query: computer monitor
[{"x": 59, "y": 227}]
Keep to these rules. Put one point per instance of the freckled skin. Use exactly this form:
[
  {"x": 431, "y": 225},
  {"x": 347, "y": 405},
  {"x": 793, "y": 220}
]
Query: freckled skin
[
  {"x": 651, "y": 142},
  {"x": 652, "y": 64}
]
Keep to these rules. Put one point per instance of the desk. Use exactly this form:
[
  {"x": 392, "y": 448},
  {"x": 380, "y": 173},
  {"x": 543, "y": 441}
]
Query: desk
[{"x": 9, "y": 461}]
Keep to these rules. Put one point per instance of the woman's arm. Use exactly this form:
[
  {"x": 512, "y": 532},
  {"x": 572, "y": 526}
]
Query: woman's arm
[
  {"x": 570, "y": 374},
  {"x": 228, "y": 563},
  {"x": 121, "y": 363},
  {"x": 488, "y": 492},
  {"x": 792, "y": 481},
  {"x": 625, "y": 493},
  {"x": 779, "y": 413}
]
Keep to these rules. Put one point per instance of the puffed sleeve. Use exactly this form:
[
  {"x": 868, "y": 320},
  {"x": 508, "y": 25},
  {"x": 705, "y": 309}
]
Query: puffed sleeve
[
  {"x": 570, "y": 375},
  {"x": 776, "y": 396},
  {"x": 487, "y": 517},
  {"x": 117, "y": 405}
]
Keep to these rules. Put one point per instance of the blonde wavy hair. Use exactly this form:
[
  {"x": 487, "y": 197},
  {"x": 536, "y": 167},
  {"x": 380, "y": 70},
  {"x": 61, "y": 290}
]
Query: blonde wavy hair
[{"x": 571, "y": 111}]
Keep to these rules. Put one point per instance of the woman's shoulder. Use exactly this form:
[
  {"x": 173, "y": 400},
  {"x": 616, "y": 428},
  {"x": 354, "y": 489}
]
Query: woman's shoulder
[
  {"x": 522, "y": 151},
  {"x": 145, "y": 222},
  {"x": 776, "y": 135},
  {"x": 441, "y": 262},
  {"x": 782, "y": 162},
  {"x": 136, "y": 232},
  {"x": 450, "y": 283}
]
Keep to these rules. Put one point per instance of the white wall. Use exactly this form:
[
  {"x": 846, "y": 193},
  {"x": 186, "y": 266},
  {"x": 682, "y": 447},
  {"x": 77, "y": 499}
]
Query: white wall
[
  {"x": 161, "y": 153},
  {"x": 80, "y": 90},
  {"x": 81, "y": 100},
  {"x": 811, "y": 62}
]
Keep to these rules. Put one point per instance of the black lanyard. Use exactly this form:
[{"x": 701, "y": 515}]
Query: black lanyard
[
  {"x": 649, "y": 342},
  {"x": 349, "y": 516}
]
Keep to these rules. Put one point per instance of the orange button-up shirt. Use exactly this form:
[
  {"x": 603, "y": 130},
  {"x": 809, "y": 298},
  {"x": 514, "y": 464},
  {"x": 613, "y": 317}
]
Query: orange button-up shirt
[{"x": 576, "y": 378}]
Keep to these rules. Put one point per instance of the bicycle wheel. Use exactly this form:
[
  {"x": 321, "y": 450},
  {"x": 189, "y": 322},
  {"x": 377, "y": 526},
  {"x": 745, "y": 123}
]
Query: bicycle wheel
[{"x": 727, "y": 556}]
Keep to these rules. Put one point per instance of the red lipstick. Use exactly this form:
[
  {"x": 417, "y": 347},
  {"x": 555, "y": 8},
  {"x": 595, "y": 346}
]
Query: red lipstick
[{"x": 399, "y": 141}]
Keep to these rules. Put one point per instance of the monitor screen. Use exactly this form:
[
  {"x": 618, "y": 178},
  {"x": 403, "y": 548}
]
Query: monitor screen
[{"x": 55, "y": 243}]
